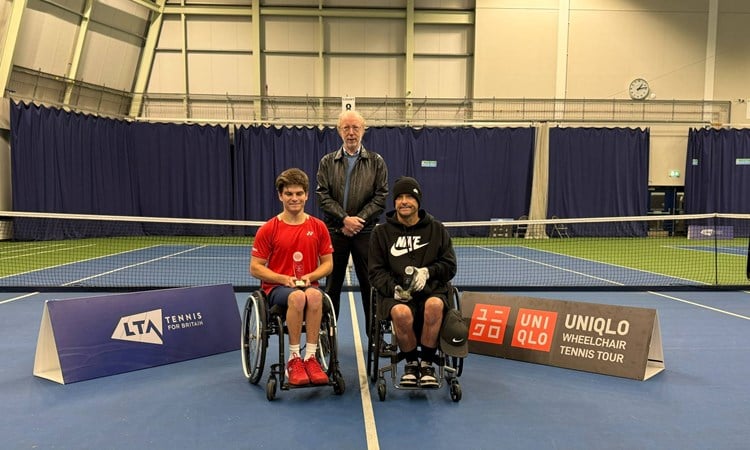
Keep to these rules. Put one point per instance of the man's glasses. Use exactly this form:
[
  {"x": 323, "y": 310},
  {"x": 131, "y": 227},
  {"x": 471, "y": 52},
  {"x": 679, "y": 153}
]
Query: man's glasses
[{"x": 349, "y": 128}]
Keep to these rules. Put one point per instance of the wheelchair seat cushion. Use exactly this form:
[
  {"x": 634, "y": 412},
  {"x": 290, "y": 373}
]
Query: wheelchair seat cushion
[{"x": 454, "y": 334}]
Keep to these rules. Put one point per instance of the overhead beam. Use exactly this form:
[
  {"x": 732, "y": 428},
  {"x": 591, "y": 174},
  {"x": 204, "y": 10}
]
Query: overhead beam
[
  {"x": 75, "y": 60},
  {"x": 147, "y": 59},
  {"x": 435, "y": 17},
  {"x": 9, "y": 47}
]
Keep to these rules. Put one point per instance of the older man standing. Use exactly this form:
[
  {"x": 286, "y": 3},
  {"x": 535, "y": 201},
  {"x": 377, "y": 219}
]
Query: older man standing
[{"x": 352, "y": 189}]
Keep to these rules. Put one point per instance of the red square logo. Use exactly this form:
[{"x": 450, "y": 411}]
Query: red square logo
[
  {"x": 534, "y": 329},
  {"x": 488, "y": 323}
]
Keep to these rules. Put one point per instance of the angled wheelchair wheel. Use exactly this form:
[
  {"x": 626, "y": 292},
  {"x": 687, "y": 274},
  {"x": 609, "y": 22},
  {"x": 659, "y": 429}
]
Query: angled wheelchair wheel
[
  {"x": 254, "y": 337},
  {"x": 327, "y": 346},
  {"x": 373, "y": 338},
  {"x": 376, "y": 344},
  {"x": 457, "y": 363}
]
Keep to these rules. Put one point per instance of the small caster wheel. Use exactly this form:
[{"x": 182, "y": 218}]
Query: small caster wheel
[
  {"x": 271, "y": 388},
  {"x": 339, "y": 386},
  {"x": 455, "y": 391},
  {"x": 381, "y": 389}
]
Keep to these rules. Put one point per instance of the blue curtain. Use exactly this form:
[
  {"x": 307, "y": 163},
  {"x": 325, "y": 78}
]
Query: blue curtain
[
  {"x": 717, "y": 174},
  {"x": 474, "y": 173},
  {"x": 262, "y": 153},
  {"x": 182, "y": 170},
  {"x": 615, "y": 164},
  {"x": 465, "y": 173},
  {"x": 75, "y": 163},
  {"x": 72, "y": 163}
]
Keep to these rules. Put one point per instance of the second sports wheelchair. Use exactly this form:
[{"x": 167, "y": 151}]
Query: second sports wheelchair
[
  {"x": 259, "y": 322},
  {"x": 449, "y": 367}
]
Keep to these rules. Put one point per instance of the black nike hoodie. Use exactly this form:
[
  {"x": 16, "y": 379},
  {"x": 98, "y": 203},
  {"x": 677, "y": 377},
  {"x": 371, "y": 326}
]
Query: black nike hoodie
[{"x": 393, "y": 246}]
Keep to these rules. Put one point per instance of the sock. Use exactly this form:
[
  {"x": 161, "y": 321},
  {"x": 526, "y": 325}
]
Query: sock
[
  {"x": 310, "y": 350},
  {"x": 293, "y": 351},
  {"x": 427, "y": 354},
  {"x": 411, "y": 356}
]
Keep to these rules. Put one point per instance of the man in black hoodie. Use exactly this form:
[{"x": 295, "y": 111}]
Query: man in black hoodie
[{"x": 411, "y": 261}]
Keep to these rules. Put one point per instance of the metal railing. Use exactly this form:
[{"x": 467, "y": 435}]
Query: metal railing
[{"x": 35, "y": 86}]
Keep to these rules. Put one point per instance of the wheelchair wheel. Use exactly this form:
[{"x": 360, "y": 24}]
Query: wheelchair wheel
[
  {"x": 327, "y": 347},
  {"x": 455, "y": 390},
  {"x": 271, "y": 388},
  {"x": 339, "y": 386},
  {"x": 381, "y": 389},
  {"x": 377, "y": 339},
  {"x": 253, "y": 343}
]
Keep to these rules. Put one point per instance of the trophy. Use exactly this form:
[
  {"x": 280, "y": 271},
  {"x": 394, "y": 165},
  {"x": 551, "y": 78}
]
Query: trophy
[
  {"x": 298, "y": 269},
  {"x": 405, "y": 294}
]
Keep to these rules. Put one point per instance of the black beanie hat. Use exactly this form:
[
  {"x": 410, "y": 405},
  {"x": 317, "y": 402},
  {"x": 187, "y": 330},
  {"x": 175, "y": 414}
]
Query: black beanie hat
[{"x": 407, "y": 185}]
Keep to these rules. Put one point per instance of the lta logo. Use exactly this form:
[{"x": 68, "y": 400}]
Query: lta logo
[{"x": 145, "y": 327}]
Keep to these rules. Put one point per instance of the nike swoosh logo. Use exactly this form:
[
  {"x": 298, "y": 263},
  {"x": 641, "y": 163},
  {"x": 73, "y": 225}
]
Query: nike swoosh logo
[
  {"x": 457, "y": 341},
  {"x": 402, "y": 251}
]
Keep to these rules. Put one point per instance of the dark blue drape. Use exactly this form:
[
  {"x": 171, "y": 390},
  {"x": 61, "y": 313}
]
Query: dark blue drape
[
  {"x": 262, "y": 153},
  {"x": 599, "y": 172},
  {"x": 72, "y": 163},
  {"x": 182, "y": 170},
  {"x": 75, "y": 163},
  {"x": 466, "y": 173},
  {"x": 717, "y": 174},
  {"x": 479, "y": 173}
]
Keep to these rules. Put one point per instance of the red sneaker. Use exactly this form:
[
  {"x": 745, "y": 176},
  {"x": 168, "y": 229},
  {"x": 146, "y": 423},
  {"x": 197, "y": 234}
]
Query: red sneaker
[
  {"x": 315, "y": 372},
  {"x": 296, "y": 373}
]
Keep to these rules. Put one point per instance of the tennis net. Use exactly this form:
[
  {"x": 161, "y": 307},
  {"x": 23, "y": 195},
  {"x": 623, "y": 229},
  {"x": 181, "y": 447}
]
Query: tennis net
[{"x": 67, "y": 251}]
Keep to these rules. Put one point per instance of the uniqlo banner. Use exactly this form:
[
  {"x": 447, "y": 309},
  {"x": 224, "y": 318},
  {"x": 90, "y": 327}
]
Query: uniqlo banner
[
  {"x": 91, "y": 337},
  {"x": 613, "y": 340}
]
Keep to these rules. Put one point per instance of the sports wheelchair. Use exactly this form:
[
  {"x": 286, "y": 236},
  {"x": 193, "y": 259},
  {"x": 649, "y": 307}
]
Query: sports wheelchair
[
  {"x": 259, "y": 322},
  {"x": 449, "y": 367}
]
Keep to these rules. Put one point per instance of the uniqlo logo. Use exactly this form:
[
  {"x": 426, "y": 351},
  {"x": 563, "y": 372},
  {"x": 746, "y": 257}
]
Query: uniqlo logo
[
  {"x": 488, "y": 323},
  {"x": 534, "y": 329}
]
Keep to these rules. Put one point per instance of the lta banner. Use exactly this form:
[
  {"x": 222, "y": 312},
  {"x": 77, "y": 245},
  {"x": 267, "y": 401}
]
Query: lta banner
[{"x": 91, "y": 337}]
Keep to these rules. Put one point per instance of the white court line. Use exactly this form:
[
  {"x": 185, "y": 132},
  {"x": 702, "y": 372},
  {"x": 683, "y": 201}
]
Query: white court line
[
  {"x": 551, "y": 266},
  {"x": 711, "y": 308},
  {"x": 18, "y": 298},
  {"x": 48, "y": 251},
  {"x": 133, "y": 265},
  {"x": 371, "y": 431}
]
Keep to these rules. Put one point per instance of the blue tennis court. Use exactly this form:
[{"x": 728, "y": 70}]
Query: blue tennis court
[
  {"x": 189, "y": 265},
  {"x": 699, "y": 401}
]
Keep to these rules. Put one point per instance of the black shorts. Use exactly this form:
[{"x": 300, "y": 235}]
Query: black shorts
[{"x": 416, "y": 304}]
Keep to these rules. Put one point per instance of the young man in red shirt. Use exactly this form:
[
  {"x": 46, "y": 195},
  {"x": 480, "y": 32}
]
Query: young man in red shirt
[{"x": 291, "y": 252}]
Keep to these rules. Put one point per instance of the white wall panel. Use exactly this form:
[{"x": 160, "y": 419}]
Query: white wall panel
[
  {"x": 515, "y": 53},
  {"x": 443, "y": 39},
  {"x": 45, "y": 41},
  {"x": 219, "y": 33},
  {"x": 607, "y": 49},
  {"x": 171, "y": 34},
  {"x": 291, "y": 34},
  {"x": 290, "y": 75},
  {"x": 440, "y": 78},
  {"x": 219, "y": 73},
  {"x": 167, "y": 74},
  {"x": 365, "y": 36},
  {"x": 365, "y": 77},
  {"x": 109, "y": 61}
]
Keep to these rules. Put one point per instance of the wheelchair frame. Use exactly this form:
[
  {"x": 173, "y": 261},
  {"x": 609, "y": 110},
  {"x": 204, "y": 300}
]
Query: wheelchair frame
[
  {"x": 260, "y": 322},
  {"x": 449, "y": 367}
]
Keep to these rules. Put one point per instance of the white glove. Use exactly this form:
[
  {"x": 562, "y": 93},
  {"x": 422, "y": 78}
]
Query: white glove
[
  {"x": 421, "y": 275},
  {"x": 401, "y": 294}
]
